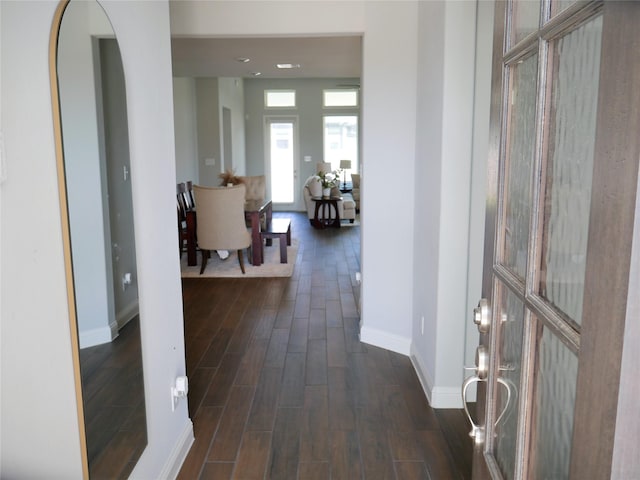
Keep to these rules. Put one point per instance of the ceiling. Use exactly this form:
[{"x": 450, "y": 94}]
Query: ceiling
[{"x": 318, "y": 57}]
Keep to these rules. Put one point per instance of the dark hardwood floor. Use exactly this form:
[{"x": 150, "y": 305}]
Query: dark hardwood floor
[
  {"x": 282, "y": 388},
  {"x": 114, "y": 409}
]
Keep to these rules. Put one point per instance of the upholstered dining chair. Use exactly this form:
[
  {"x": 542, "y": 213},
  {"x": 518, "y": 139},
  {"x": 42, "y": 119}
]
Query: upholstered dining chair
[
  {"x": 256, "y": 187},
  {"x": 221, "y": 224}
]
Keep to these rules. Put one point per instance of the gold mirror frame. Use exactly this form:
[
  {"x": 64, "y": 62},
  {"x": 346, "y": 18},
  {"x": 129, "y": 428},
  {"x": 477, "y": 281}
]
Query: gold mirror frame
[{"x": 66, "y": 231}]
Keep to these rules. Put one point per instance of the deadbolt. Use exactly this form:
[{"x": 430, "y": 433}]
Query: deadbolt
[{"x": 482, "y": 316}]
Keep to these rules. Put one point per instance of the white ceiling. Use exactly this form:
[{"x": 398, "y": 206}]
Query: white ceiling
[{"x": 319, "y": 57}]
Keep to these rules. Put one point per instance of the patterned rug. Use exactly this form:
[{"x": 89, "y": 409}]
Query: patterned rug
[{"x": 230, "y": 268}]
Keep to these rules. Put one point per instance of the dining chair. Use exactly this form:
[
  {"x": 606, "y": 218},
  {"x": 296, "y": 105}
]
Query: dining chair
[{"x": 221, "y": 224}]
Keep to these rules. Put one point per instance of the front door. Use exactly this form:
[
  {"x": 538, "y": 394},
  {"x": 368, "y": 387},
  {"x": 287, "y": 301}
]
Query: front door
[{"x": 559, "y": 281}]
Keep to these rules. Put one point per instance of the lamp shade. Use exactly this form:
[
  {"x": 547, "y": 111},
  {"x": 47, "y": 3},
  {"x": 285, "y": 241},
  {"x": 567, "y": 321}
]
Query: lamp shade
[{"x": 346, "y": 164}]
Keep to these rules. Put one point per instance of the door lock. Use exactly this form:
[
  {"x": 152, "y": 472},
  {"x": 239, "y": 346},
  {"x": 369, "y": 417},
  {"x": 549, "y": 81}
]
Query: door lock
[{"x": 482, "y": 316}]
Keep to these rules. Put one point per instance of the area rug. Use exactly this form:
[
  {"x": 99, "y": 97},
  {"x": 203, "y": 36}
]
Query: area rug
[{"x": 230, "y": 268}]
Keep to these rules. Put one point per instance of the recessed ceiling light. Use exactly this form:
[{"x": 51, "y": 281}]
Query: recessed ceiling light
[
  {"x": 288, "y": 65},
  {"x": 242, "y": 59},
  {"x": 256, "y": 74}
]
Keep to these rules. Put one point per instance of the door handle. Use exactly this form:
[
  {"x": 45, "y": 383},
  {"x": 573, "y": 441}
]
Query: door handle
[{"x": 478, "y": 432}]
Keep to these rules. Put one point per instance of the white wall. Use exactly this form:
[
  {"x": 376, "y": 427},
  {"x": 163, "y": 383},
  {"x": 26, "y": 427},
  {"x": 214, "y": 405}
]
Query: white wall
[
  {"x": 38, "y": 402},
  {"x": 388, "y": 167},
  {"x": 450, "y": 187},
  {"x": 37, "y": 375}
]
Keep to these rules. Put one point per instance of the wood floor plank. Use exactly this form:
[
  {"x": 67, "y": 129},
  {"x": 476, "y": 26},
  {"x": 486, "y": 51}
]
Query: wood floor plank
[
  {"x": 292, "y": 390},
  {"x": 345, "y": 455},
  {"x": 437, "y": 455},
  {"x": 204, "y": 427},
  {"x": 314, "y": 438},
  {"x": 316, "y": 372},
  {"x": 222, "y": 381},
  {"x": 317, "y": 324},
  {"x": 285, "y": 445},
  {"x": 285, "y": 314},
  {"x": 302, "y": 305},
  {"x": 334, "y": 314},
  {"x": 299, "y": 335},
  {"x": 376, "y": 455},
  {"x": 217, "y": 471},
  {"x": 342, "y": 414},
  {"x": 229, "y": 434},
  {"x": 265, "y": 324},
  {"x": 411, "y": 471},
  {"x": 395, "y": 409},
  {"x": 277, "y": 350},
  {"x": 253, "y": 456},
  {"x": 252, "y": 362},
  {"x": 336, "y": 348},
  {"x": 405, "y": 446},
  {"x": 314, "y": 471},
  {"x": 199, "y": 382},
  {"x": 265, "y": 403}
]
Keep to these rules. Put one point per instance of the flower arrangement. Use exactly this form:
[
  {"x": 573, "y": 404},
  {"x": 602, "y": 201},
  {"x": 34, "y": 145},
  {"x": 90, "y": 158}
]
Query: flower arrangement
[
  {"x": 228, "y": 177},
  {"x": 330, "y": 179}
]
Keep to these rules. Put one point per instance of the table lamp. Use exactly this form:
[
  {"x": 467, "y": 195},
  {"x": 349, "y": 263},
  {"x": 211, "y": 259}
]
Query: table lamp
[{"x": 345, "y": 165}]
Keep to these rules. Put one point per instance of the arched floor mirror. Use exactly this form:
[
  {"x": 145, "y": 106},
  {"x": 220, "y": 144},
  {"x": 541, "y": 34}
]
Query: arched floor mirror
[{"x": 92, "y": 148}]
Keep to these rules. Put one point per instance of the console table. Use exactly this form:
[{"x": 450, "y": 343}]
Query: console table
[{"x": 322, "y": 217}]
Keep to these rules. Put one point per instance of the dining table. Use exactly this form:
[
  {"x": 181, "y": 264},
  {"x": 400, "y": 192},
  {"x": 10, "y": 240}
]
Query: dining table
[{"x": 254, "y": 212}]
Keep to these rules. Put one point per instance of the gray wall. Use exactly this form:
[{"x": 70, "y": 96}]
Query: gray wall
[
  {"x": 184, "y": 118},
  {"x": 208, "y": 128}
]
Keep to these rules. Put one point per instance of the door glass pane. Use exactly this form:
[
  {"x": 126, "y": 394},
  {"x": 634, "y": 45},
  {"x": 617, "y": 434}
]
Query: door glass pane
[
  {"x": 519, "y": 164},
  {"x": 510, "y": 358},
  {"x": 558, "y": 6},
  {"x": 555, "y": 394},
  {"x": 282, "y": 162},
  {"x": 525, "y": 19},
  {"x": 576, "y": 64}
]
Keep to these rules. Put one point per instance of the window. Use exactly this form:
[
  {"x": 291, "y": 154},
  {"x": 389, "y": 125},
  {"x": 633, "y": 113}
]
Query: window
[
  {"x": 341, "y": 140},
  {"x": 340, "y": 98},
  {"x": 280, "y": 98}
]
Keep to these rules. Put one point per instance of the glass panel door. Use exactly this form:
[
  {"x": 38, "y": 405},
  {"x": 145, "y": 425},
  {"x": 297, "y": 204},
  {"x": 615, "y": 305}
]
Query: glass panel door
[
  {"x": 282, "y": 151},
  {"x": 557, "y": 278}
]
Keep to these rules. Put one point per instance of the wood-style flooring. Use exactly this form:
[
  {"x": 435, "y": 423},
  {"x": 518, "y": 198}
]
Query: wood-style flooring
[
  {"x": 281, "y": 387},
  {"x": 114, "y": 409}
]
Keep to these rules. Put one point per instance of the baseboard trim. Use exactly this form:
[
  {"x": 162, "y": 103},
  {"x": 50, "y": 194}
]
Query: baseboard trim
[
  {"x": 126, "y": 314},
  {"x": 386, "y": 340},
  {"x": 179, "y": 453},
  {"x": 98, "y": 336},
  {"x": 438, "y": 397}
]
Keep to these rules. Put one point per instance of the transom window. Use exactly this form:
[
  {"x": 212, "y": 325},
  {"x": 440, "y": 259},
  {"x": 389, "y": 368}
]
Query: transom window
[
  {"x": 280, "y": 98},
  {"x": 340, "y": 98}
]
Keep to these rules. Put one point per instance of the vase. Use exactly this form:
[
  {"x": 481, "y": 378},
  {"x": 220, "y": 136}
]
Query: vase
[{"x": 326, "y": 192}]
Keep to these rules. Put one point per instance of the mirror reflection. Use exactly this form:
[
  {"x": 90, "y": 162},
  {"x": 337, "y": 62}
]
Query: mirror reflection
[{"x": 93, "y": 113}]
